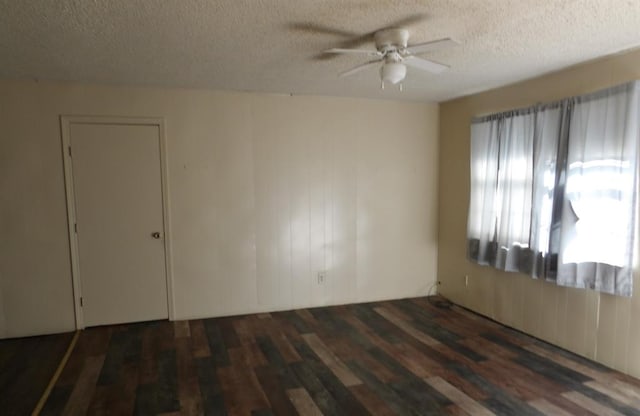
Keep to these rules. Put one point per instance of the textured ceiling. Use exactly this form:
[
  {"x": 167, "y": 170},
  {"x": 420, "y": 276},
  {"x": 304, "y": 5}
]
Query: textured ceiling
[{"x": 273, "y": 45}]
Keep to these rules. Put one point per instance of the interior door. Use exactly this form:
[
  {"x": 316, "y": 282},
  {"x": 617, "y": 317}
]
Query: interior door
[{"x": 117, "y": 184}]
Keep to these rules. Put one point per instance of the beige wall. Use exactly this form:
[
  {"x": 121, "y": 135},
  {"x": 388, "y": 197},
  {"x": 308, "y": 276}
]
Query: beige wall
[
  {"x": 597, "y": 326},
  {"x": 265, "y": 191}
]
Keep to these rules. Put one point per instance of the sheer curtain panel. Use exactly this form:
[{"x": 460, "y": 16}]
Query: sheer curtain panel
[{"x": 598, "y": 220}]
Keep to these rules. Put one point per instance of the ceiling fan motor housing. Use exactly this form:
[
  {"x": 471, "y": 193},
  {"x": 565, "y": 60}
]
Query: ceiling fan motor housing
[{"x": 391, "y": 39}]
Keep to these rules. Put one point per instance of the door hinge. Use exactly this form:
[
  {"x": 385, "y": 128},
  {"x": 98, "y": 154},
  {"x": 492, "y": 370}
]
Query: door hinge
[
  {"x": 81, "y": 302},
  {"x": 69, "y": 151},
  {"x": 75, "y": 227}
]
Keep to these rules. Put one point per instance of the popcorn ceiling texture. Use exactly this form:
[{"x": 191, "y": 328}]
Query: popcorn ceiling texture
[{"x": 258, "y": 45}]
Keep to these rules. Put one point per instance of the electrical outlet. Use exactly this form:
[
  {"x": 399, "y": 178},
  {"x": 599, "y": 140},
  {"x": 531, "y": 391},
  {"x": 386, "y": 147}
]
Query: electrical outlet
[{"x": 322, "y": 277}]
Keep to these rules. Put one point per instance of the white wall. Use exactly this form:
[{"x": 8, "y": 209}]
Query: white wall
[
  {"x": 599, "y": 326},
  {"x": 265, "y": 191}
]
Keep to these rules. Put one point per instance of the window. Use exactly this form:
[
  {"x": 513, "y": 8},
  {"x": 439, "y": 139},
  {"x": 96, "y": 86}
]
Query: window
[{"x": 553, "y": 190}]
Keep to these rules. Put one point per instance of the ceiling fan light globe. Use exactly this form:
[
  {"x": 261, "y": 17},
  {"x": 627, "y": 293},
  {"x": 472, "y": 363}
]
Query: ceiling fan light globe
[{"x": 393, "y": 72}]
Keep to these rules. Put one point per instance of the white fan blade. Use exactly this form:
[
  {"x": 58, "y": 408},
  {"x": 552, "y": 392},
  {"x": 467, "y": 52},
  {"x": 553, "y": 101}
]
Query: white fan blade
[
  {"x": 369, "y": 52},
  {"x": 431, "y": 46},
  {"x": 424, "y": 64},
  {"x": 360, "y": 68}
]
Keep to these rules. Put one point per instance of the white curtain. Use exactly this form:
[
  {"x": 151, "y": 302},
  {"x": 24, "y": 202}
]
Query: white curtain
[
  {"x": 553, "y": 190},
  {"x": 499, "y": 220},
  {"x": 547, "y": 176},
  {"x": 483, "y": 201},
  {"x": 513, "y": 224},
  {"x": 599, "y": 206}
]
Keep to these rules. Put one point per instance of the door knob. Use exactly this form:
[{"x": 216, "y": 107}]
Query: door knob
[{"x": 155, "y": 235}]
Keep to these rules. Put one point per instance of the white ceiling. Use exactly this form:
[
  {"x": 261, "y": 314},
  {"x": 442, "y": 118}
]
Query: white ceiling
[{"x": 273, "y": 45}]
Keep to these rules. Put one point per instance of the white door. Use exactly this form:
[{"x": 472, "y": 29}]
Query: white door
[{"x": 117, "y": 185}]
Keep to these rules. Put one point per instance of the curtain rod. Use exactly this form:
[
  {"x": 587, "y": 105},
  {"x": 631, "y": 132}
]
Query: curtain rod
[{"x": 627, "y": 86}]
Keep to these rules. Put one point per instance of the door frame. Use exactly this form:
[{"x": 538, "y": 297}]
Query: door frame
[{"x": 65, "y": 125}]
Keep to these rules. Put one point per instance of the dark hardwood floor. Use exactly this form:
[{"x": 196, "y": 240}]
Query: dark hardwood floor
[
  {"x": 26, "y": 367},
  {"x": 404, "y": 357}
]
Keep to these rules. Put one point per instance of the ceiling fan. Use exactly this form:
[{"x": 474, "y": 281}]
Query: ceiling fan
[{"x": 393, "y": 55}]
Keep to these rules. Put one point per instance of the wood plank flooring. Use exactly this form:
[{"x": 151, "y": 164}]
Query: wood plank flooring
[
  {"x": 26, "y": 366},
  {"x": 403, "y": 357}
]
